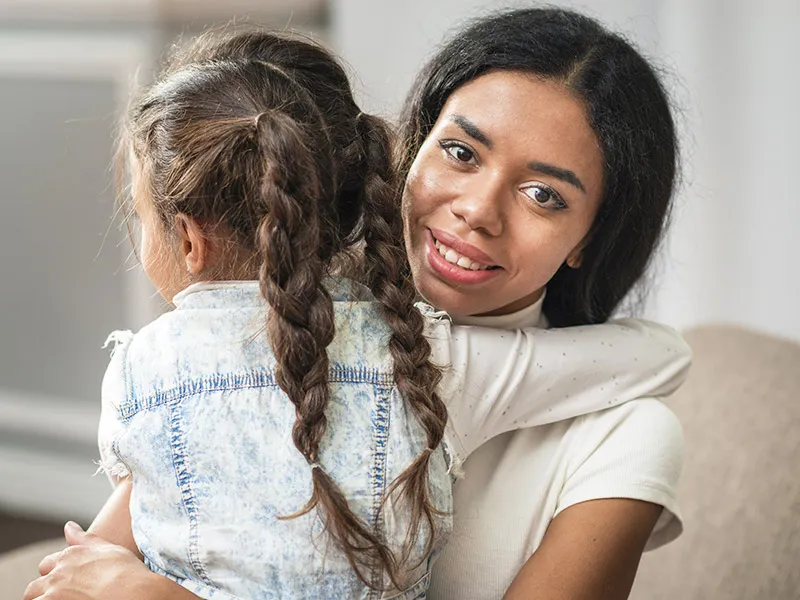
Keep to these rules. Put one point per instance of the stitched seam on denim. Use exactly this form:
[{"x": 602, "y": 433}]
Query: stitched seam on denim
[
  {"x": 417, "y": 590},
  {"x": 381, "y": 416},
  {"x": 177, "y": 445},
  {"x": 127, "y": 384},
  {"x": 124, "y": 404},
  {"x": 343, "y": 373},
  {"x": 192, "y": 585},
  {"x": 254, "y": 379}
]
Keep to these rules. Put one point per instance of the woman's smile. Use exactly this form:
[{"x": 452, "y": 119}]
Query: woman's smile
[
  {"x": 457, "y": 261},
  {"x": 502, "y": 193}
]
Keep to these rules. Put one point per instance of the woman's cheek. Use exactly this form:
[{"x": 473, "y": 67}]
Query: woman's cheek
[{"x": 429, "y": 188}]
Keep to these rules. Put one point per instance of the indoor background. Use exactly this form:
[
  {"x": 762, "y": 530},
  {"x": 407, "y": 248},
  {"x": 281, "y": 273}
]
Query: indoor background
[{"x": 66, "y": 273}]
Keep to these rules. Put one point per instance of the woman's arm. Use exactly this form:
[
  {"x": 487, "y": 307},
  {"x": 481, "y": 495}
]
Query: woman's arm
[
  {"x": 92, "y": 569},
  {"x": 591, "y": 551},
  {"x": 621, "y": 477},
  {"x": 103, "y": 563}
]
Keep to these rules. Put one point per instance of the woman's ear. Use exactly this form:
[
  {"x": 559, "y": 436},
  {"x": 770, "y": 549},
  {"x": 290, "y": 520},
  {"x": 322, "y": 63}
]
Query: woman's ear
[
  {"x": 575, "y": 258},
  {"x": 193, "y": 244}
]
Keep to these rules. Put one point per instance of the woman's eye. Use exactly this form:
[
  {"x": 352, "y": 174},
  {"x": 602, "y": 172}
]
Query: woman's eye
[
  {"x": 545, "y": 197},
  {"x": 458, "y": 152}
]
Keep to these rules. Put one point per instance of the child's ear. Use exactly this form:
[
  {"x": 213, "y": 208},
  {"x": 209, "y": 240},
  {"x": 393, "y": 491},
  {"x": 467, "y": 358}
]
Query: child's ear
[{"x": 192, "y": 243}]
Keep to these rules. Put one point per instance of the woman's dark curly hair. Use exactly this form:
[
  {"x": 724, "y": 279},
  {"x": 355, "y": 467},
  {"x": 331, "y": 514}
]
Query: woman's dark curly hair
[{"x": 629, "y": 112}]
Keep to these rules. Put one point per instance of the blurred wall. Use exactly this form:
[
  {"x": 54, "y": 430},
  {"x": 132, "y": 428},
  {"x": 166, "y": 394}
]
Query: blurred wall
[
  {"x": 733, "y": 249},
  {"x": 67, "y": 277},
  {"x": 66, "y": 67}
]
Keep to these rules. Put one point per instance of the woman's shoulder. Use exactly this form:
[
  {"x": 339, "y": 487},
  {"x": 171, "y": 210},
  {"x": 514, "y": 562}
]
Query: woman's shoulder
[
  {"x": 639, "y": 423},
  {"x": 632, "y": 451},
  {"x": 640, "y": 429}
]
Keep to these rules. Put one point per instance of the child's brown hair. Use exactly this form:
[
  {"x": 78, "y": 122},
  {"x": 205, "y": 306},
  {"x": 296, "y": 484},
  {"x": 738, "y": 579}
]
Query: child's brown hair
[{"x": 257, "y": 134}]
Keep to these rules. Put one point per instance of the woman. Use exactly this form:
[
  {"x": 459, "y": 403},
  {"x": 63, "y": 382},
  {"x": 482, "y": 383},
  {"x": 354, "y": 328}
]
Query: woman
[
  {"x": 538, "y": 129},
  {"x": 542, "y": 148}
]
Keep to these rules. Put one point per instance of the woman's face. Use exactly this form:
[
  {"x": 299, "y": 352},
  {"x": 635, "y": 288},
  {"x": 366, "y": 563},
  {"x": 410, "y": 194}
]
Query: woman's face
[{"x": 502, "y": 193}]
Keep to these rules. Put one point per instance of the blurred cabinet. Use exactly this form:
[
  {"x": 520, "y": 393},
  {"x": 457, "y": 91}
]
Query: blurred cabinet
[
  {"x": 178, "y": 11},
  {"x": 67, "y": 275}
]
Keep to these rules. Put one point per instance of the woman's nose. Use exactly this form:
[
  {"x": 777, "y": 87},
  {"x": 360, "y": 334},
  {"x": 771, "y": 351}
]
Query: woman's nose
[{"x": 480, "y": 206}]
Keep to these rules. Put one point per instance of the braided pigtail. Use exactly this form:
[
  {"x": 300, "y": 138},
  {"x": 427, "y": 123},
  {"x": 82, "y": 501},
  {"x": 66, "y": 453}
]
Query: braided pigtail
[
  {"x": 388, "y": 275},
  {"x": 289, "y": 192},
  {"x": 301, "y": 325}
]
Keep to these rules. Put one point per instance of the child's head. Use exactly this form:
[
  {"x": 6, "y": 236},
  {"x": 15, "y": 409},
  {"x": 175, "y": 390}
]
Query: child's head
[
  {"x": 252, "y": 160},
  {"x": 237, "y": 128}
]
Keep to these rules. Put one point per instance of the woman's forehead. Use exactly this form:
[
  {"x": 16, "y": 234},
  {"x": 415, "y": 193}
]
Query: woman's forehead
[
  {"x": 531, "y": 118},
  {"x": 497, "y": 96}
]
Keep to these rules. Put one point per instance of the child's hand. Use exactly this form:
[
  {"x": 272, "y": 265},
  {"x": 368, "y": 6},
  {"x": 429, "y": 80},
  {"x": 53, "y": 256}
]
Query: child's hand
[{"x": 89, "y": 569}]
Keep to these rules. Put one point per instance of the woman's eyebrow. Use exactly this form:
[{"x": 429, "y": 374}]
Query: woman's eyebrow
[
  {"x": 475, "y": 133},
  {"x": 564, "y": 175},
  {"x": 472, "y": 130}
]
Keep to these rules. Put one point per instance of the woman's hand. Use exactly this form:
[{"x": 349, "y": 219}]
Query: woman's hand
[{"x": 93, "y": 569}]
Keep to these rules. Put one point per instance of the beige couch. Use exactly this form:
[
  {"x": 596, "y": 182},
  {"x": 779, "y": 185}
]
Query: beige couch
[
  {"x": 740, "y": 488},
  {"x": 740, "y": 491},
  {"x": 18, "y": 567}
]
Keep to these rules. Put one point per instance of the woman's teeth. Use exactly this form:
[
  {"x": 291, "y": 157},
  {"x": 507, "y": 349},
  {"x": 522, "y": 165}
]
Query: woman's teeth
[{"x": 455, "y": 258}]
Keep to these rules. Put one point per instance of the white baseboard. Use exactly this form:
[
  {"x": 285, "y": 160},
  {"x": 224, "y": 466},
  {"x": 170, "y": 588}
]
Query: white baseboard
[
  {"x": 48, "y": 486},
  {"x": 46, "y": 457},
  {"x": 62, "y": 419}
]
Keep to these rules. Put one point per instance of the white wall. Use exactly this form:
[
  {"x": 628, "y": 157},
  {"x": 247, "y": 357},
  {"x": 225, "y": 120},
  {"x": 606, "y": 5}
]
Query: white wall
[
  {"x": 732, "y": 254},
  {"x": 66, "y": 69},
  {"x": 735, "y": 241},
  {"x": 65, "y": 281},
  {"x": 386, "y": 43}
]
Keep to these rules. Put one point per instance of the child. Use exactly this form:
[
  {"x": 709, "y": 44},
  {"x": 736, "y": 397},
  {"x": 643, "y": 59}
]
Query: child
[{"x": 285, "y": 428}]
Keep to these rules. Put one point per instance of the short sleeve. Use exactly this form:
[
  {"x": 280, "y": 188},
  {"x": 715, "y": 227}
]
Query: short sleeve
[
  {"x": 113, "y": 393},
  {"x": 632, "y": 451}
]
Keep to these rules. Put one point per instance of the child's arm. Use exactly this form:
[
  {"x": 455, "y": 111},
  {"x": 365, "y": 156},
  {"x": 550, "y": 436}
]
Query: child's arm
[
  {"x": 497, "y": 380},
  {"x": 102, "y": 563},
  {"x": 113, "y": 522}
]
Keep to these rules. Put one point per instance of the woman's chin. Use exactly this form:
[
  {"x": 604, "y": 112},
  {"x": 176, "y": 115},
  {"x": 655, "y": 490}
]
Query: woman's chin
[{"x": 453, "y": 302}]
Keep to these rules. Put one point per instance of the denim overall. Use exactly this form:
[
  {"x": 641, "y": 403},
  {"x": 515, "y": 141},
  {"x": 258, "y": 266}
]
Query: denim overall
[{"x": 192, "y": 412}]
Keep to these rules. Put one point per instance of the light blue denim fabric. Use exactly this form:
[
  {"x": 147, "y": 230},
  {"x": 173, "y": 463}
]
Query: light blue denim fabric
[{"x": 198, "y": 421}]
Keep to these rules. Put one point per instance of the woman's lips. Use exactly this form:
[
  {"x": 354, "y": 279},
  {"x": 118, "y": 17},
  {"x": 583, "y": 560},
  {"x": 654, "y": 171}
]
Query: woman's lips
[
  {"x": 462, "y": 247},
  {"x": 455, "y": 273}
]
